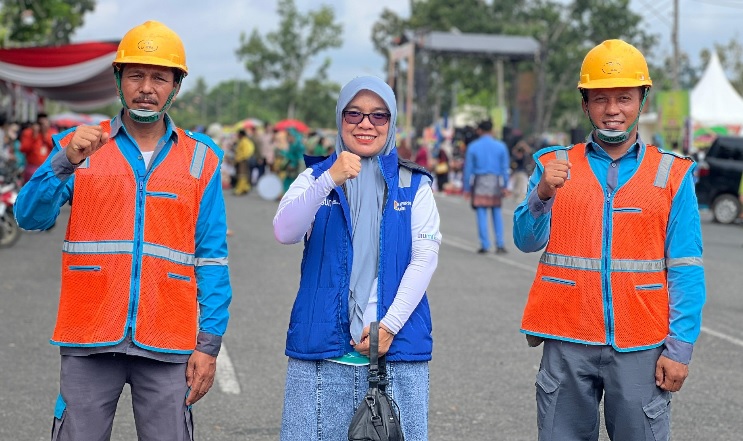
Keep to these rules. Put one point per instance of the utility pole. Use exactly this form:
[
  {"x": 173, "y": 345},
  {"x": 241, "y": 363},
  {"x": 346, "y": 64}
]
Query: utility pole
[{"x": 675, "y": 38}]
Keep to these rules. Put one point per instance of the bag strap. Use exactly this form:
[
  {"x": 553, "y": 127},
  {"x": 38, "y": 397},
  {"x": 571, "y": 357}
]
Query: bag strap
[{"x": 377, "y": 364}]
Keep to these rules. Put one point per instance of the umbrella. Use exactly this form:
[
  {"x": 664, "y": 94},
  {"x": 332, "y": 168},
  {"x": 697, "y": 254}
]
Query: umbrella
[
  {"x": 69, "y": 119},
  {"x": 291, "y": 123},
  {"x": 250, "y": 123},
  {"x": 97, "y": 118},
  {"x": 247, "y": 123}
]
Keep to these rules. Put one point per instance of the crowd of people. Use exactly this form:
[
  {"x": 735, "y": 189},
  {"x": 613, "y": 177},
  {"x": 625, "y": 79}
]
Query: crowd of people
[
  {"x": 252, "y": 151},
  {"x": 145, "y": 286},
  {"x": 26, "y": 146}
]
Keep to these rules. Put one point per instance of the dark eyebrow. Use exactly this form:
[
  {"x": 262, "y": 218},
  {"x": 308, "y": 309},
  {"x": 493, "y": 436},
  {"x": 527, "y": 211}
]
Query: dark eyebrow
[{"x": 375, "y": 110}]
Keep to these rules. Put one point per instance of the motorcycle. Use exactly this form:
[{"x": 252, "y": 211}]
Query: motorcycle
[{"x": 10, "y": 232}]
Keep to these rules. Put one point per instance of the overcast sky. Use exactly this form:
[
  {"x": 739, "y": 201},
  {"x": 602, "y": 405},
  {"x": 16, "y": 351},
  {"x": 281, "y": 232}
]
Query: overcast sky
[{"x": 211, "y": 29}]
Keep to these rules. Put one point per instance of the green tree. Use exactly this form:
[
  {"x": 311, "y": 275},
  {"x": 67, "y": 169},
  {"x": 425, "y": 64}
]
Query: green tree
[
  {"x": 731, "y": 58},
  {"x": 564, "y": 30},
  {"x": 285, "y": 54},
  {"x": 442, "y": 81},
  {"x": 41, "y": 22}
]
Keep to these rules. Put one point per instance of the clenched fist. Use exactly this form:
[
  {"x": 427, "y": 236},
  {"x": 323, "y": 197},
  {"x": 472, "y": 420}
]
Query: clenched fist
[
  {"x": 85, "y": 141},
  {"x": 554, "y": 177},
  {"x": 346, "y": 166}
]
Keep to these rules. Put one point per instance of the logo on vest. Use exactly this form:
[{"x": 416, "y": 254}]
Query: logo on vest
[
  {"x": 400, "y": 206},
  {"x": 328, "y": 202}
]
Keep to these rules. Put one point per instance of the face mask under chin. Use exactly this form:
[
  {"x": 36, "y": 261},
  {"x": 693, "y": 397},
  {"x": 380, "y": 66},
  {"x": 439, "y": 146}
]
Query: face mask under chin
[
  {"x": 144, "y": 116},
  {"x": 612, "y": 136}
]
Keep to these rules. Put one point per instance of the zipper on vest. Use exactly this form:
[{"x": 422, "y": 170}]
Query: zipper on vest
[
  {"x": 137, "y": 255},
  {"x": 606, "y": 272}
]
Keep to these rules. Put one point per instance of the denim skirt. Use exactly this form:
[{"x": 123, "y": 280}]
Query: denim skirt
[{"x": 321, "y": 397}]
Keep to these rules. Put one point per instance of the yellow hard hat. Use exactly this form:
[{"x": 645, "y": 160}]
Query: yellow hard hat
[
  {"x": 614, "y": 63},
  {"x": 152, "y": 43}
]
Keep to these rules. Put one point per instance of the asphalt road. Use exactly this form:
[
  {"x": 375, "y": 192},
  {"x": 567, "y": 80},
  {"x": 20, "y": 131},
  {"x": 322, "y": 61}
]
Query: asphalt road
[{"x": 482, "y": 373}]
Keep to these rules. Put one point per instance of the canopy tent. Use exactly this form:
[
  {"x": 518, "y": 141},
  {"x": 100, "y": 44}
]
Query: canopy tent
[
  {"x": 713, "y": 100},
  {"x": 510, "y": 47},
  {"x": 76, "y": 74}
]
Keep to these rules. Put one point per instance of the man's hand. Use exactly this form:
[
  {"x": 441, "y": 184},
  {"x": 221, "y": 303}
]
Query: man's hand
[
  {"x": 669, "y": 374},
  {"x": 200, "y": 375},
  {"x": 346, "y": 166},
  {"x": 385, "y": 341},
  {"x": 85, "y": 141},
  {"x": 554, "y": 177}
]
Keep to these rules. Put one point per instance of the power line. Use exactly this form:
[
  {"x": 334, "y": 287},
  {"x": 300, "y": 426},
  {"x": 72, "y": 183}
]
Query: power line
[
  {"x": 659, "y": 14},
  {"x": 723, "y": 3}
]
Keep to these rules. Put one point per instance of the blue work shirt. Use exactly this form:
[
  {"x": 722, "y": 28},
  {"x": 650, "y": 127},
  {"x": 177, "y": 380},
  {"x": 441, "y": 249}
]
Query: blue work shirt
[{"x": 485, "y": 156}]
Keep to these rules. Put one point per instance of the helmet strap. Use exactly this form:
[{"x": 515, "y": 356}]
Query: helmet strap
[
  {"x": 142, "y": 115},
  {"x": 619, "y": 136}
]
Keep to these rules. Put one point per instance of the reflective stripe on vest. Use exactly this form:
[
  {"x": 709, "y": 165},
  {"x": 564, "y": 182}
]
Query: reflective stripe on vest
[
  {"x": 128, "y": 257},
  {"x": 563, "y": 156},
  {"x": 595, "y": 289}
]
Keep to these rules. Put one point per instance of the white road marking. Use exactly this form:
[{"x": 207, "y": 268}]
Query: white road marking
[
  {"x": 463, "y": 245},
  {"x": 733, "y": 340},
  {"x": 226, "y": 377}
]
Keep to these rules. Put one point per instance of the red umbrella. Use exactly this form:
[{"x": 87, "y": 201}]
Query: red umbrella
[
  {"x": 291, "y": 123},
  {"x": 250, "y": 123},
  {"x": 70, "y": 119}
]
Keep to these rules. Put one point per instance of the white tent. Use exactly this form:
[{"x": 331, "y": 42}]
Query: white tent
[{"x": 713, "y": 100}]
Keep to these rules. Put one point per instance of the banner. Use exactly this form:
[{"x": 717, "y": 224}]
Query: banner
[{"x": 673, "y": 111}]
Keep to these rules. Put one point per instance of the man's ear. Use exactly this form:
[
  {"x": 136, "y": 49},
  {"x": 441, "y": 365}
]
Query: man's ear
[{"x": 177, "y": 90}]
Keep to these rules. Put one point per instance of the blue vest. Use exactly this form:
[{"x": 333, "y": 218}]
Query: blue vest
[{"x": 319, "y": 327}]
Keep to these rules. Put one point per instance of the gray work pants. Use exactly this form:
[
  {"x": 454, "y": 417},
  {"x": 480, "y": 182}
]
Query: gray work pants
[
  {"x": 573, "y": 377},
  {"x": 90, "y": 388}
]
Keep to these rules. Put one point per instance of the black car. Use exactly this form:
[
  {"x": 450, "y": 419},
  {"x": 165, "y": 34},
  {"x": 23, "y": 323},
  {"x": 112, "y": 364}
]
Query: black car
[{"x": 719, "y": 176}]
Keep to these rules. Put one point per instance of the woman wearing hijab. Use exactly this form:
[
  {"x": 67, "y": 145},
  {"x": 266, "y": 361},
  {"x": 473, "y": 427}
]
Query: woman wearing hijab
[
  {"x": 371, "y": 234},
  {"x": 292, "y": 156}
]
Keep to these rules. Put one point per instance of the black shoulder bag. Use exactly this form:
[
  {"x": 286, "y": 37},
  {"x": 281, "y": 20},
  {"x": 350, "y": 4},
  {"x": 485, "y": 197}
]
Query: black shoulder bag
[{"x": 377, "y": 418}]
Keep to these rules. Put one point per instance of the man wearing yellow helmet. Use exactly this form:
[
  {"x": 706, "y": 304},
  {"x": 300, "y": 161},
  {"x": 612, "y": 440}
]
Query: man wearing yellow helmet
[
  {"x": 145, "y": 283},
  {"x": 619, "y": 289}
]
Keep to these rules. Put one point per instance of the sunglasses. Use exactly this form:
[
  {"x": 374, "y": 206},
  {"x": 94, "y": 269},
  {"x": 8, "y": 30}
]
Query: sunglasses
[{"x": 376, "y": 118}]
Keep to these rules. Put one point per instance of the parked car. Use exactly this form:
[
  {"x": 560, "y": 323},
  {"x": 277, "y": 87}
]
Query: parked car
[{"x": 719, "y": 175}]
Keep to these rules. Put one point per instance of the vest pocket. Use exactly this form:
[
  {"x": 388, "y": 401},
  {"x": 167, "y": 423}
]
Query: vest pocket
[
  {"x": 658, "y": 414},
  {"x": 179, "y": 277},
  {"x": 649, "y": 287},
  {"x": 160, "y": 194},
  {"x": 628, "y": 210},
  {"x": 558, "y": 280},
  {"x": 84, "y": 268}
]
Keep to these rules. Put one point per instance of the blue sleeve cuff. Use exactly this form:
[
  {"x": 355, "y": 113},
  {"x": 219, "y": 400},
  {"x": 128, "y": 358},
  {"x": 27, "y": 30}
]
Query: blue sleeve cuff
[
  {"x": 208, "y": 343},
  {"x": 538, "y": 207},
  {"x": 61, "y": 166},
  {"x": 677, "y": 350}
]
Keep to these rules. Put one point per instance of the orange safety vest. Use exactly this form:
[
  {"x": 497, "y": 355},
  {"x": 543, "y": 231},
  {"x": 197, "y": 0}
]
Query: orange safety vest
[
  {"x": 602, "y": 278},
  {"x": 128, "y": 256}
]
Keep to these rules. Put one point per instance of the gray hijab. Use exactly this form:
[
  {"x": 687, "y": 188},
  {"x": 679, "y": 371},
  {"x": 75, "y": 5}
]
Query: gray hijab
[{"x": 365, "y": 196}]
